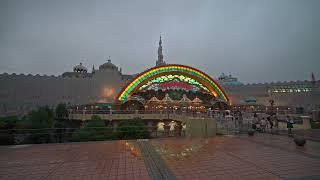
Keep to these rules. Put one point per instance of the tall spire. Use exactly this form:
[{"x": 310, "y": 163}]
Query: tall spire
[
  {"x": 93, "y": 70},
  {"x": 313, "y": 79},
  {"x": 160, "y": 41},
  {"x": 160, "y": 60}
]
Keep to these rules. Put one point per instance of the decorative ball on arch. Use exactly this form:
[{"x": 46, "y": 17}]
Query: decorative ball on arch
[{"x": 173, "y": 69}]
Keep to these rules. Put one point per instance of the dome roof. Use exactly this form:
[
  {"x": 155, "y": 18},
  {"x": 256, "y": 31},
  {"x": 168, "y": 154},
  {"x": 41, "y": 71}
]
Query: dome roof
[
  {"x": 80, "y": 68},
  {"x": 108, "y": 65}
]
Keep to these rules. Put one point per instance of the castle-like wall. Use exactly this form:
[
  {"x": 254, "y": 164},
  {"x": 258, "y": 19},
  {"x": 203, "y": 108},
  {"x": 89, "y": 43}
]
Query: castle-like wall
[
  {"x": 21, "y": 93},
  {"x": 304, "y": 94}
]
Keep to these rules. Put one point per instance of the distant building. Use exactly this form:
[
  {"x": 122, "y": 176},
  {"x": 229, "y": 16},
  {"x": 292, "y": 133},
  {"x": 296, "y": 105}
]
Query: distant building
[
  {"x": 293, "y": 94},
  {"x": 22, "y": 93},
  {"x": 160, "y": 60},
  {"x": 228, "y": 80}
]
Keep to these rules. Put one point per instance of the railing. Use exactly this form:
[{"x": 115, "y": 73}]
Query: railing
[
  {"x": 58, "y": 135},
  {"x": 120, "y": 115},
  {"x": 95, "y": 111},
  {"x": 233, "y": 126}
]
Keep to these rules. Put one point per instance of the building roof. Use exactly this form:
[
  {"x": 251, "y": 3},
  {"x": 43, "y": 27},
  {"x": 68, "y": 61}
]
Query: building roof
[
  {"x": 76, "y": 74},
  {"x": 154, "y": 99},
  {"x": 167, "y": 98},
  {"x": 197, "y": 100},
  {"x": 80, "y": 68},
  {"x": 108, "y": 65},
  {"x": 184, "y": 98}
]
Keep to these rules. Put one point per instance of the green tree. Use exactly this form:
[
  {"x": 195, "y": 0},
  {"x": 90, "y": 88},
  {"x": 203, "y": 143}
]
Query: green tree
[
  {"x": 94, "y": 130},
  {"x": 61, "y": 111},
  {"x": 95, "y": 121},
  {"x": 132, "y": 129},
  {"x": 6, "y": 133},
  {"x": 39, "y": 121},
  {"x": 40, "y": 118},
  {"x": 8, "y": 122}
]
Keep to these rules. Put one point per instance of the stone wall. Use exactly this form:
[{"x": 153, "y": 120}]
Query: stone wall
[
  {"x": 21, "y": 93},
  {"x": 263, "y": 93}
]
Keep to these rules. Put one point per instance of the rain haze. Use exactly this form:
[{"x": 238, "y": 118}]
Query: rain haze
[{"x": 256, "y": 41}]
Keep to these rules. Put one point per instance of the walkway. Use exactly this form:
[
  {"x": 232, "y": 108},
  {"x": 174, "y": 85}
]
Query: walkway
[
  {"x": 142, "y": 115},
  {"x": 224, "y": 157}
]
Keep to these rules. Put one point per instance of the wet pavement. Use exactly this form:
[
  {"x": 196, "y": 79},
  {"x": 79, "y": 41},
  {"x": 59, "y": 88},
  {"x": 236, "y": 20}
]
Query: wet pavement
[{"x": 223, "y": 157}]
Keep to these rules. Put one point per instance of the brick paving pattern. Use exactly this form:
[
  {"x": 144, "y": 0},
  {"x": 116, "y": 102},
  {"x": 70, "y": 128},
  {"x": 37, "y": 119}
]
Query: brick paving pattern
[
  {"x": 92, "y": 160},
  {"x": 239, "y": 158},
  {"x": 154, "y": 163},
  {"x": 234, "y": 157}
]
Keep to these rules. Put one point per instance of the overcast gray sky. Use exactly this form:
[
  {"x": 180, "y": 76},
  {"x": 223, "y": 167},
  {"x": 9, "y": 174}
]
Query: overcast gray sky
[{"x": 256, "y": 40}]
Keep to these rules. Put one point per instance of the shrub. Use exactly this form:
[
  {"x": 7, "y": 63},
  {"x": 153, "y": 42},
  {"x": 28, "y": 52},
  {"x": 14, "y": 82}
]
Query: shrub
[
  {"x": 61, "y": 111},
  {"x": 41, "y": 118},
  {"x": 39, "y": 121},
  {"x": 94, "y": 130},
  {"x": 8, "y": 122},
  {"x": 315, "y": 124},
  {"x": 132, "y": 129},
  {"x": 6, "y": 139},
  {"x": 6, "y": 133}
]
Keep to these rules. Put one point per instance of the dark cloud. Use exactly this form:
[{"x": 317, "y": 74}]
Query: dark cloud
[{"x": 258, "y": 41}]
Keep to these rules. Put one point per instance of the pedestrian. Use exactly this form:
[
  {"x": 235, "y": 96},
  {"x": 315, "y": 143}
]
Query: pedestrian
[
  {"x": 270, "y": 122},
  {"x": 289, "y": 125},
  {"x": 255, "y": 121},
  {"x": 240, "y": 119},
  {"x": 263, "y": 124},
  {"x": 276, "y": 121}
]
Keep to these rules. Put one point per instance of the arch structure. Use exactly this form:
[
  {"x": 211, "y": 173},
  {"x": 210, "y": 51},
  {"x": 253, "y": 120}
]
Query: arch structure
[{"x": 166, "y": 73}]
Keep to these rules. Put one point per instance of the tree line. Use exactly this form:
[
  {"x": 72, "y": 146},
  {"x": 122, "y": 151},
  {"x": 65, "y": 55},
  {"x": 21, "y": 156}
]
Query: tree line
[{"x": 45, "y": 125}]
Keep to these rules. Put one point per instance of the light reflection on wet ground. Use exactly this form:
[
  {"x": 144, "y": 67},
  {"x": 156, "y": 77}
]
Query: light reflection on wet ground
[{"x": 237, "y": 157}]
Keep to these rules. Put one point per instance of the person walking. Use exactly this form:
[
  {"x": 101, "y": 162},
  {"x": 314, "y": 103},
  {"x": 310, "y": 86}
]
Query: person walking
[
  {"x": 255, "y": 121},
  {"x": 289, "y": 126},
  {"x": 240, "y": 120},
  {"x": 276, "y": 121},
  {"x": 263, "y": 124},
  {"x": 270, "y": 122}
]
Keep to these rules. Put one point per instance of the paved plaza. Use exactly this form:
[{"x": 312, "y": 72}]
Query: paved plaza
[{"x": 223, "y": 157}]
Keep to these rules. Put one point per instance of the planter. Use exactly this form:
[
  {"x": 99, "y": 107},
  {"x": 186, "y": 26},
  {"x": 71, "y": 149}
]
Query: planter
[
  {"x": 251, "y": 132},
  {"x": 300, "y": 141}
]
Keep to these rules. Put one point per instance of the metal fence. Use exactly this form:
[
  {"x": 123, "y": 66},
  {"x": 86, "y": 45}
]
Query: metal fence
[
  {"x": 59, "y": 135},
  {"x": 233, "y": 126}
]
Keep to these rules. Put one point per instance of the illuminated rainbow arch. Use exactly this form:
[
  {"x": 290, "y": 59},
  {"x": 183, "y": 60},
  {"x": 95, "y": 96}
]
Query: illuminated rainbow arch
[{"x": 157, "y": 71}]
